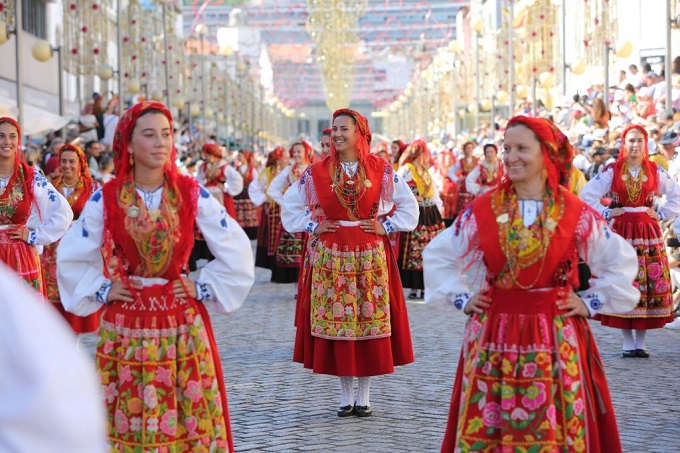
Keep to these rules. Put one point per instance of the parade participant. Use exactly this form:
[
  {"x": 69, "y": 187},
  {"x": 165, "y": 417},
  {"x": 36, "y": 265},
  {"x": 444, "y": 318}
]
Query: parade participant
[
  {"x": 634, "y": 181},
  {"x": 156, "y": 355},
  {"x": 289, "y": 245},
  {"x": 221, "y": 179},
  {"x": 448, "y": 189},
  {"x": 383, "y": 151},
  {"x": 530, "y": 373},
  {"x": 413, "y": 169},
  {"x": 270, "y": 215},
  {"x": 247, "y": 214},
  {"x": 32, "y": 212},
  {"x": 397, "y": 147},
  {"x": 77, "y": 185},
  {"x": 49, "y": 392},
  {"x": 325, "y": 142},
  {"x": 459, "y": 171},
  {"x": 352, "y": 319},
  {"x": 487, "y": 174}
]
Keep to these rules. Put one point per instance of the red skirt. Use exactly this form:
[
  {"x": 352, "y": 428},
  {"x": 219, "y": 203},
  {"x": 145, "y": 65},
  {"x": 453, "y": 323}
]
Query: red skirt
[
  {"x": 655, "y": 307},
  {"x": 366, "y": 357},
  {"x": 530, "y": 377},
  {"x": 161, "y": 375},
  {"x": 79, "y": 324},
  {"x": 23, "y": 259}
]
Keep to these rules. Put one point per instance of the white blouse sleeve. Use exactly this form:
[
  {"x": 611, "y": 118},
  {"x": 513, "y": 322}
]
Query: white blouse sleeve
[
  {"x": 453, "y": 172},
  {"x": 405, "y": 217},
  {"x": 613, "y": 263},
  {"x": 596, "y": 188},
  {"x": 234, "y": 183},
  {"x": 671, "y": 189},
  {"x": 51, "y": 218},
  {"x": 295, "y": 214},
  {"x": 275, "y": 190},
  {"x": 232, "y": 273},
  {"x": 471, "y": 181},
  {"x": 451, "y": 273},
  {"x": 436, "y": 198},
  {"x": 256, "y": 190},
  {"x": 80, "y": 266}
]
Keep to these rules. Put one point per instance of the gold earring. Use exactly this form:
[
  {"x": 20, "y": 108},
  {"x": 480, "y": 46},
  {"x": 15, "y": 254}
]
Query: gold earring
[{"x": 132, "y": 160}]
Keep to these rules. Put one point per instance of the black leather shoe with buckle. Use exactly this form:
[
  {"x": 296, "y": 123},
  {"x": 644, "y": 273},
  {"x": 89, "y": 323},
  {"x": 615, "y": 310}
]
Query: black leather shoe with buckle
[
  {"x": 364, "y": 411},
  {"x": 346, "y": 411},
  {"x": 642, "y": 353},
  {"x": 627, "y": 353}
]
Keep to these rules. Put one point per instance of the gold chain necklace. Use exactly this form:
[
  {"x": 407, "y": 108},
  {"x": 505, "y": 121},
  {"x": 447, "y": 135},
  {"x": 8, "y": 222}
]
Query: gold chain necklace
[
  {"x": 349, "y": 189},
  {"x": 633, "y": 184}
]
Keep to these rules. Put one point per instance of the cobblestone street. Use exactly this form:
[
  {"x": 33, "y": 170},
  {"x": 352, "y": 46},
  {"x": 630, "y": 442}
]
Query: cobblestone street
[{"x": 277, "y": 406}]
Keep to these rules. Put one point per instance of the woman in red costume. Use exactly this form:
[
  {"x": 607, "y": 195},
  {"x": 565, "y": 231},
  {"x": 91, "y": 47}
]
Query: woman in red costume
[
  {"x": 156, "y": 353},
  {"x": 635, "y": 181},
  {"x": 290, "y": 245},
  {"x": 414, "y": 165},
  {"x": 270, "y": 215},
  {"x": 529, "y": 375},
  {"x": 352, "y": 319},
  {"x": 32, "y": 212},
  {"x": 77, "y": 185},
  {"x": 221, "y": 179},
  {"x": 459, "y": 171},
  {"x": 397, "y": 147},
  {"x": 487, "y": 174},
  {"x": 247, "y": 214},
  {"x": 448, "y": 189}
]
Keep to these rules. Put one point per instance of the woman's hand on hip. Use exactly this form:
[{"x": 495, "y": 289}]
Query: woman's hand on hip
[
  {"x": 327, "y": 226},
  {"x": 477, "y": 304},
  {"x": 184, "y": 288},
  {"x": 616, "y": 212},
  {"x": 573, "y": 305},
  {"x": 653, "y": 214},
  {"x": 120, "y": 292},
  {"x": 372, "y": 226}
]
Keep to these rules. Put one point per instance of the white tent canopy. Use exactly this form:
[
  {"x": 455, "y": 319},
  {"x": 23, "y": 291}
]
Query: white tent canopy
[{"x": 36, "y": 120}]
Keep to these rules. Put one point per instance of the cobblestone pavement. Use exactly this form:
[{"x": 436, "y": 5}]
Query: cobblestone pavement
[{"x": 277, "y": 406}]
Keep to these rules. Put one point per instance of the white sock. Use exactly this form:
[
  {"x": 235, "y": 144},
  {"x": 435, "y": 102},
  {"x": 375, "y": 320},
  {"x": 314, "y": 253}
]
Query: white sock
[
  {"x": 628, "y": 341},
  {"x": 640, "y": 339},
  {"x": 364, "y": 391},
  {"x": 347, "y": 385}
]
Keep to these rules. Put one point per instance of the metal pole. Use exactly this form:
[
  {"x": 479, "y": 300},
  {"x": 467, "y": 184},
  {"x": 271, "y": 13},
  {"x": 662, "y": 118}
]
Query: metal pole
[
  {"x": 564, "y": 47},
  {"x": 119, "y": 45},
  {"x": 20, "y": 84},
  {"x": 167, "y": 63},
  {"x": 203, "y": 100},
  {"x": 605, "y": 95},
  {"x": 668, "y": 70},
  {"x": 511, "y": 57},
  {"x": 60, "y": 64},
  {"x": 455, "y": 102},
  {"x": 534, "y": 104},
  {"x": 478, "y": 91}
]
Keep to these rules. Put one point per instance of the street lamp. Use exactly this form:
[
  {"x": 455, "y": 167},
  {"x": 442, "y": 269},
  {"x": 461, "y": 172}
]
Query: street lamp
[
  {"x": 43, "y": 51},
  {"x": 201, "y": 31}
]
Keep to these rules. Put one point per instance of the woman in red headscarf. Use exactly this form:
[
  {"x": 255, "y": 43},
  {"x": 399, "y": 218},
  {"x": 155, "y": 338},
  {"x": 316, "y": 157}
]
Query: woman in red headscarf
[
  {"x": 270, "y": 215},
  {"x": 32, "y": 212},
  {"x": 290, "y": 245},
  {"x": 351, "y": 318},
  {"x": 221, "y": 179},
  {"x": 247, "y": 214},
  {"x": 156, "y": 355},
  {"x": 529, "y": 372},
  {"x": 397, "y": 147},
  {"x": 414, "y": 169},
  {"x": 448, "y": 189},
  {"x": 77, "y": 185},
  {"x": 635, "y": 181},
  {"x": 459, "y": 172},
  {"x": 487, "y": 174}
]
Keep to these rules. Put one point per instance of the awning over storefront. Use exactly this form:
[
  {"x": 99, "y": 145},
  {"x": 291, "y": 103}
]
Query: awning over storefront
[{"x": 36, "y": 120}]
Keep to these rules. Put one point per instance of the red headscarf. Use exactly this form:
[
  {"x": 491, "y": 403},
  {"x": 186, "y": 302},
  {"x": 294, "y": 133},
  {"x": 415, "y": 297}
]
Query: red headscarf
[
  {"x": 649, "y": 167},
  {"x": 250, "y": 163},
  {"x": 383, "y": 148},
  {"x": 416, "y": 149},
  {"x": 557, "y": 151},
  {"x": 275, "y": 156},
  {"x": 402, "y": 147},
  {"x": 20, "y": 161},
  {"x": 309, "y": 151},
  {"x": 327, "y": 131},
  {"x": 212, "y": 149},
  {"x": 362, "y": 134}
]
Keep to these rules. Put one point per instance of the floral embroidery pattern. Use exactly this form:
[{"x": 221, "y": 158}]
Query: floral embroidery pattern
[
  {"x": 521, "y": 398},
  {"x": 350, "y": 292},
  {"x": 160, "y": 385}
]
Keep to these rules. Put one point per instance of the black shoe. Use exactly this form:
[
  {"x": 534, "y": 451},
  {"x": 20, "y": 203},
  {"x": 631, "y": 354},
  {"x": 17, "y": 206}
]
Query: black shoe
[
  {"x": 346, "y": 411},
  {"x": 627, "y": 353},
  {"x": 413, "y": 295},
  {"x": 643, "y": 353},
  {"x": 364, "y": 411}
]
